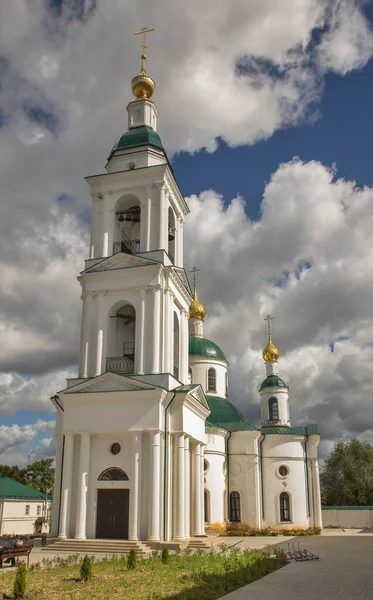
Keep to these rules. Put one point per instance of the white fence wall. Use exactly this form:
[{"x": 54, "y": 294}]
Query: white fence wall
[{"x": 348, "y": 516}]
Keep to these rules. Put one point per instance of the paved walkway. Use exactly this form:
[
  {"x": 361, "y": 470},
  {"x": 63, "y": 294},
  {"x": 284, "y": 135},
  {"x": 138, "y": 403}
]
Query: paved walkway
[{"x": 344, "y": 572}]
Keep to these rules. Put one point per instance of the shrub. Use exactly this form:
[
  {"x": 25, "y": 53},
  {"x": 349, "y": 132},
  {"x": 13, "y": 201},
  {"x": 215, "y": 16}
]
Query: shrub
[
  {"x": 215, "y": 527},
  {"x": 165, "y": 555},
  {"x": 132, "y": 559},
  {"x": 20, "y": 581},
  {"x": 86, "y": 569}
]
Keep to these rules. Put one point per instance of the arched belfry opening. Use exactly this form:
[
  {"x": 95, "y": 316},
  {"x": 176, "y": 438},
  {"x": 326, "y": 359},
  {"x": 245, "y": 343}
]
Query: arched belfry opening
[
  {"x": 171, "y": 234},
  {"x": 127, "y": 225},
  {"x": 121, "y": 342}
]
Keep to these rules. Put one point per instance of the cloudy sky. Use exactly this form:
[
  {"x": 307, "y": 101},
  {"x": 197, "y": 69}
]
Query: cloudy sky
[{"x": 265, "y": 109}]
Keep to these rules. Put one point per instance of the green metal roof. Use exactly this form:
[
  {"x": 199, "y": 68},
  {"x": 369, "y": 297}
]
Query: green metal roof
[
  {"x": 139, "y": 136},
  {"x": 202, "y": 347},
  {"x": 225, "y": 415},
  {"x": 13, "y": 490},
  {"x": 273, "y": 381},
  {"x": 285, "y": 430}
]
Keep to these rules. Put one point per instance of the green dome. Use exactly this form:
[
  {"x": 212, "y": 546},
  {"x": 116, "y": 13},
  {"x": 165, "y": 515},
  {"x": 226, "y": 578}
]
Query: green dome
[
  {"x": 225, "y": 415},
  {"x": 273, "y": 381},
  {"x": 139, "y": 136},
  {"x": 202, "y": 347}
]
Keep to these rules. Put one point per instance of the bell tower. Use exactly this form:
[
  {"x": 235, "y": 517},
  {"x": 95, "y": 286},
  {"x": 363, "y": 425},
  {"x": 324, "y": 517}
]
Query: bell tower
[
  {"x": 135, "y": 291},
  {"x": 274, "y": 393}
]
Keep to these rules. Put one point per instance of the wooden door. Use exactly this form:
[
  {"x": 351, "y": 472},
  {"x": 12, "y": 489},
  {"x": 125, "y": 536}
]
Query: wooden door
[{"x": 112, "y": 514}]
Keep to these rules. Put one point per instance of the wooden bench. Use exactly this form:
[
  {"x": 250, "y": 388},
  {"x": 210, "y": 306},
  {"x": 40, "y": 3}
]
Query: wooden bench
[{"x": 15, "y": 553}]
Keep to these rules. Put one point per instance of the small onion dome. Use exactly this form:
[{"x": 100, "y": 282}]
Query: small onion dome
[
  {"x": 143, "y": 86},
  {"x": 270, "y": 352},
  {"x": 196, "y": 309}
]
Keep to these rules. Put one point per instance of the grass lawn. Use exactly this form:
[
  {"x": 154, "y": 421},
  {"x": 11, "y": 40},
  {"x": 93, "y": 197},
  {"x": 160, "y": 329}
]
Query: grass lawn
[{"x": 184, "y": 577}]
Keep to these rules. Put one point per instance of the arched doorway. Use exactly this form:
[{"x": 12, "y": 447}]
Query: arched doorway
[
  {"x": 127, "y": 225},
  {"x": 112, "y": 507}
]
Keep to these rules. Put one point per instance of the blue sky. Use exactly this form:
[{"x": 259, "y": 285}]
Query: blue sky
[
  {"x": 62, "y": 107},
  {"x": 342, "y": 134}
]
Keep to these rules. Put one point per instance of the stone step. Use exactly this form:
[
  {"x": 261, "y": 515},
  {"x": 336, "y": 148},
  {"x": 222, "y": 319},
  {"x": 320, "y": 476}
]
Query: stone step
[{"x": 97, "y": 546}]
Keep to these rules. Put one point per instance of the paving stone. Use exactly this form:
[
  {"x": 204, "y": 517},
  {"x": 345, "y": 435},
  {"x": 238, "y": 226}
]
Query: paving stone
[{"x": 344, "y": 572}]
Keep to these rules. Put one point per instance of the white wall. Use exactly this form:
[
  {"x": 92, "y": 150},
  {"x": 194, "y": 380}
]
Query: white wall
[
  {"x": 244, "y": 476},
  {"x": 288, "y": 451},
  {"x": 339, "y": 517},
  {"x": 14, "y": 518},
  {"x": 200, "y": 367},
  {"x": 214, "y": 476}
]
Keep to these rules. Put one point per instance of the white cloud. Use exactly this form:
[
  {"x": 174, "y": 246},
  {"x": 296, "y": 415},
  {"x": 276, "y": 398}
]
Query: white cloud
[
  {"x": 307, "y": 261},
  {"x": 14, "y": 439}
]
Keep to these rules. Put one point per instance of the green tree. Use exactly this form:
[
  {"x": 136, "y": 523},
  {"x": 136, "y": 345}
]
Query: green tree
[
  {"x": 132, "y": 559},
  {"x": 20, "y": 582},
  {"x": 86, "y": 569},
  {"x": 347, "y": 479},
  {"x": 40, "y": 475},
  {"x": 14, "y": 472}
]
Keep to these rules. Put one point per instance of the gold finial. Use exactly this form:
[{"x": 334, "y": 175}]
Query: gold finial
[
  {"x": 196, "y": 309},
  {"x": 143, "y": 85},
  {"x": 270, "y": 352}
]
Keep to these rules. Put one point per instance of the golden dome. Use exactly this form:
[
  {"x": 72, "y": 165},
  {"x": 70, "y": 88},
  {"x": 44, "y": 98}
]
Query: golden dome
[
  {"x": 196, "y": 309},
  {"x": 143, "y": 86},
  {"x": 270, "y": 352}
]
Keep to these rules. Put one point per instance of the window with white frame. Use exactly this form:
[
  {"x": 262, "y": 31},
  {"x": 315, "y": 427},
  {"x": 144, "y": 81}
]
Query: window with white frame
[
  {"x": 211, "y": 380},
  {"x": 38, "y": 510},
  {"x": 27, "y": 509}
]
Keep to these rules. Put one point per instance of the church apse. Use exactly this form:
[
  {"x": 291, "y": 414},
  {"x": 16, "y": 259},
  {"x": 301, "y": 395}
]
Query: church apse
[{"x": 121, "y": 339}]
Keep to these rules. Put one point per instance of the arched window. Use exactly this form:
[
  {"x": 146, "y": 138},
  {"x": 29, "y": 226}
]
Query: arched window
[
  {"x": 190, "y": 376},
  {"x": 235, "y": 507},
  {"x": 211, "y": 380},
  {"x": 285, "y": 507},
  {"x": 273, "y": 409},
  {"x": 207, "y": 506},
  {"x": 113, "y": 474},
  {"x": 226, "y": 384}
]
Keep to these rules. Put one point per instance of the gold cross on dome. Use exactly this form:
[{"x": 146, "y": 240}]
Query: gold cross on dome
[
  {"x": 194, "y": 271},
  {"x": 268, "y": 318},
  {"x": 143, "y": 31}
]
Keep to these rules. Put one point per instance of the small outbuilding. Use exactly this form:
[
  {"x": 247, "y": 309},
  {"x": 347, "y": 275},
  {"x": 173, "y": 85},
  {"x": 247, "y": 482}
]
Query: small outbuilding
[{"x": 23, "y": 510}]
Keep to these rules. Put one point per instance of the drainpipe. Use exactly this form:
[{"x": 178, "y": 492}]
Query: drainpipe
[
  {"x": 307, "y": 480},
  {"x": 165, "y": 466},
  {"x": 55, "y": 400},
  {"x": 261, "y": 471},
  {"x": 228, "y": 476}
]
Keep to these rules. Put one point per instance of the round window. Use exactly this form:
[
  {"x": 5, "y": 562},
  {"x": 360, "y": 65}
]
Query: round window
[
  {"x": 115, "y": 448},
  {"x": 283, "y": 471},
  {"x": 205, "y": 465}
]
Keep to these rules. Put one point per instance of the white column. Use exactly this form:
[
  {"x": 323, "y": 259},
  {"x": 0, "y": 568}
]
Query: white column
[
  {"x": 316, "y": 493},
  {"x": 156, "y": 328},
  {"x": 168, "y": 513},
  {"x": 148, "y": 218},
  {"x": 179, "y": 503},
  {"x": 67, "y": 484},
  {"x": 155, "y": 486},
  {"x": 57, "y": 486},
  {"x": 166, "y": 332},
  {"x": 187, "y": 487},
  {"x": 100, "y": 319},
  {"x": 196, "y": 488},
  {"x": 163, "y": 219},
  {"x": 202, "y": 496},
  {"x": 85, "y": 334},
  {"x": 184, "y": 341},
  {"x": 105, "y": 230},
  {"x": 135, "y": 495},
  {"x": 171, "y": 337},
  {"x": 140, "y": 333},
  {"x": 81, "y": 514},
  {"x": 181, "y": 243}
]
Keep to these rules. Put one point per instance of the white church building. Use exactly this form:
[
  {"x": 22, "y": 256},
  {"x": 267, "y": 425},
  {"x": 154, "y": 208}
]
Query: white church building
[{"x": 148, "y": 445}]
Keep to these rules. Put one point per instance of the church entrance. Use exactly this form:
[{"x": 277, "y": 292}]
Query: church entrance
[{"x": 112, "y": 514}]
